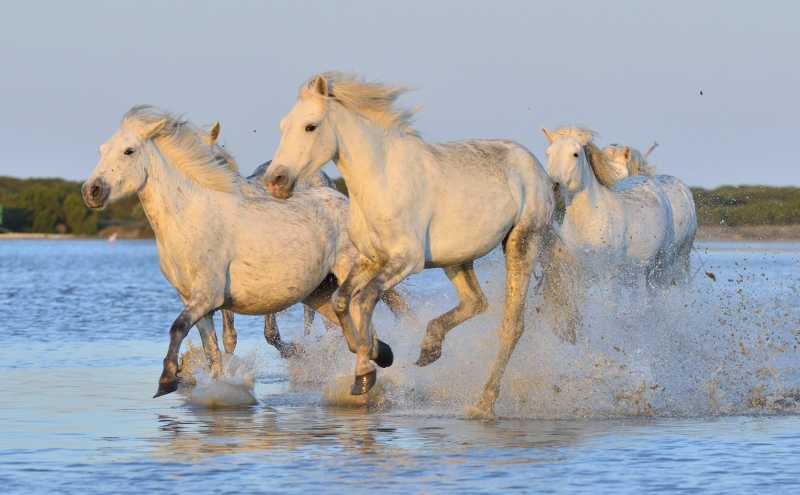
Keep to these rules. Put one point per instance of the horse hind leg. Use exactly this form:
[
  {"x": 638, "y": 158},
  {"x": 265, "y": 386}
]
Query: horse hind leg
[
  {"x": 209, "y": 337},
  {"x": 229, "y": 337},
  {"x": 522, "y": 248},
  {"x": 273, "y": 337},
  {"x": 308, "y": 320},
  {"x": 472, "y": 302}
]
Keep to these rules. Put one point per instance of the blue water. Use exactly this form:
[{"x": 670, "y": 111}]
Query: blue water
[{"x": 85, "y": 328}]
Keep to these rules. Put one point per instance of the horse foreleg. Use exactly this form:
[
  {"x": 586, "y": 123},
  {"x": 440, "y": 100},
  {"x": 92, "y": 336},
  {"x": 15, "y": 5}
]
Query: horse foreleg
[
  {"x": 320, "y": 301},
  {"x": 369, "y": 348},
  {"x": 522, "y": 247},
  {"x": 273, "y": 337},
  {"x": 228, "y": 332},
  {"x": 168, "y": 382},
  {"x": 472, "y": 302},
  {"x": 360, "y": 275},
  {"x": 209, "y": 337}
]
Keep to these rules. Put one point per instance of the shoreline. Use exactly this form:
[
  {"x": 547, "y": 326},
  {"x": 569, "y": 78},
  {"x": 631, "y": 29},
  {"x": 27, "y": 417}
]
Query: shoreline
[{"x": 712, "y": 233}]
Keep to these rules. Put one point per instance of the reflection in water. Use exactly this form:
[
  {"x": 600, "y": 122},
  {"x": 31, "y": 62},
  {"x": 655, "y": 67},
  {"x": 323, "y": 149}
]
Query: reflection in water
[{"x": 374, "y": 438}]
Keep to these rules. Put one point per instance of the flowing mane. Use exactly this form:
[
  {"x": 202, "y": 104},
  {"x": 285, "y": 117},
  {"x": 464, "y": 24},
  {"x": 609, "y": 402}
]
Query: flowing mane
[
  {"x": 371, "y": 100},
  {"x": 182, "y": 144},
  {"x": 597, "y": 159}
]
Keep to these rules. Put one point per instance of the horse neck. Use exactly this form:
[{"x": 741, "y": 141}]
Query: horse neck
[
  {"x": 166, "y": 193},
  {"x": 585, "y": 202},
  {"x": 362, "y": 155}
]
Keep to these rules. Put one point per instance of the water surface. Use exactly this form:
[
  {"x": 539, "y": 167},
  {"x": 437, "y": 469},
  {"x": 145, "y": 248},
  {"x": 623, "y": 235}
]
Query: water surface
[{"x": 688, "y": 391}]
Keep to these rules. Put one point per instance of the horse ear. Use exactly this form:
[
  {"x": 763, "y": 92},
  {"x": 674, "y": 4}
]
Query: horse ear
[
  {"x": 319, "y": 85},
  {"x": 549, "y": 135},
  {"x": 151, "y": 130},
  {"x": 213, "y": 134},
  {"x": 627, "y": 152}
]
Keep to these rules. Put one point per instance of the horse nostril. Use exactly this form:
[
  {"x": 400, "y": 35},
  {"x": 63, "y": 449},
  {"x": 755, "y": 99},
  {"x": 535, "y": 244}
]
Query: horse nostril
[
  {"x": 94, "y": 191},
  {"x": 279, "y": 179}
]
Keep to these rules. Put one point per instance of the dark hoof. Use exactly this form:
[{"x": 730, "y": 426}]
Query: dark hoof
[
  {"x": 385, "y": 356},
  {"x": 364, "y": 383},
  {"x": 428, "y": 356},
  {"x": 165, "y": 388}
]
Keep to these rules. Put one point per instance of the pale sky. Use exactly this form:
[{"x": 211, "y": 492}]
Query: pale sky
[{"x": 631, "y": 70}]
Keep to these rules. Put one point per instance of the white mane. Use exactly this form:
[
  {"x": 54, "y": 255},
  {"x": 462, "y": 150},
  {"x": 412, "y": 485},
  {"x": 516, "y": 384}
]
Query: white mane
[
  {"x": 182, "y": 144},
  {"x": 371, "y": 100},
  {"x": 603, "y": 170}
]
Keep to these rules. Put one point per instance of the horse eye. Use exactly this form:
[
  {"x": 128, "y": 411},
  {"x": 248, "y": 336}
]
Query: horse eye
[
  {"x": 575, "y": 155},
  {"x": 129, "y": 151},
  {"x": 311, "y": 128}
]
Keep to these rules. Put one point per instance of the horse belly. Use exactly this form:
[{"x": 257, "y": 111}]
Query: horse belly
[
  {"x": 274, "y": 287},
  {"x": 468, "y": 231}
]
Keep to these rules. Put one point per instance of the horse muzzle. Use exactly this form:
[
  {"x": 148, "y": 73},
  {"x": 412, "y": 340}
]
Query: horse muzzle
[
  {"x": 279, "y": 182},
  {"x": 95, "y": 193}
]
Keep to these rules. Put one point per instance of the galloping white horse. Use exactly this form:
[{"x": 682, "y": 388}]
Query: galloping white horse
[
  {"x": 631, "y": 226},
  {"x": 416, "y": 205},
  {"x": 223, "y": 243},
  {"x": 394, "y": 301}
]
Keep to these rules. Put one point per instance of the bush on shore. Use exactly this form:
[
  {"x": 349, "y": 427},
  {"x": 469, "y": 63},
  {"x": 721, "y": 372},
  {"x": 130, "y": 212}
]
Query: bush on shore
[{"x": 56, "y": 206}]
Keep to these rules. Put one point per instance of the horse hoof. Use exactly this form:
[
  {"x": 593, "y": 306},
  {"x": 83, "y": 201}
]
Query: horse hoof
[
  {"x": 480, "y": 412},
  {"x": 385, "y": 356},
  {"x": 429, "y": 355},
  {"x": 363, "y": 383},
  {"x": 165, "y": 388}
]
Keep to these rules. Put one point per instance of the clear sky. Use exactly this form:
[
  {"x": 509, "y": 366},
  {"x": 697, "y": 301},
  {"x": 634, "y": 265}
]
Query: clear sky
[{"x": 631, "y": 70}]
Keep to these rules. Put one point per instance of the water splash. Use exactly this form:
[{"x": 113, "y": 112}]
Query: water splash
[
  {"x": 710, "y": 348},
  {"x": 234, "y": 388}
]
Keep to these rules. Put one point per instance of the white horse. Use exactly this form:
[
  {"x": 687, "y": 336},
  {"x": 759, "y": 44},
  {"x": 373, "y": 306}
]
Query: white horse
[
  {"x": 684, "y": 214},
  {"x": 272, "y": 335},
  {"x": 629, "y": 227},
  {"x": 624, "y": 161},
  {"x": 223, "y": 243},
  {"x": 271, "y": 331},
  {"x": 416, "y": 205}
]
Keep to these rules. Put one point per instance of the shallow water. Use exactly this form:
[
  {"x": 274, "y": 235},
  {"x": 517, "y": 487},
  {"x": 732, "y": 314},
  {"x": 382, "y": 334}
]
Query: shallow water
[{"x": 691, "y": 390}]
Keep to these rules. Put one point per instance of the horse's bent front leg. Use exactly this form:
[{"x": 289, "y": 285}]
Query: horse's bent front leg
[
  {"x": 360, "y": 275},
  {"x": 522, "y": 247},
  {"x": 369, "y": 348},
  {"x": 472, "y": 302},
  {"x": 228, "y": 331},
  {"x": 209, "y": 337},
  {"x": 191, "y": 314}
]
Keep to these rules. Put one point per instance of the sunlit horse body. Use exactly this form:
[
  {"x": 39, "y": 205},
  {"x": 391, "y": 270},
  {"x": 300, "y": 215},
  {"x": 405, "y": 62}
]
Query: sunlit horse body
[
  {"x": 641, "y": 225},
  {"x": 272, "y": 334},
  {"x": 223, "y": 243},
  {"x": 416, "y": 205},
  {"x": 271, "y": 331}
]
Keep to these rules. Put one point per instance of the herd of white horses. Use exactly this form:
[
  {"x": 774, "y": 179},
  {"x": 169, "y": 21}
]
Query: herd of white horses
[{"x": 283, "y": 236}]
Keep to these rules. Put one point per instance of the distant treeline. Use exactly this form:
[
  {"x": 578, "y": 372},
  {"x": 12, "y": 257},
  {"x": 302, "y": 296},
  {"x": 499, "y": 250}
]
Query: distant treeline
[{"x": 56, "y": 206}]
